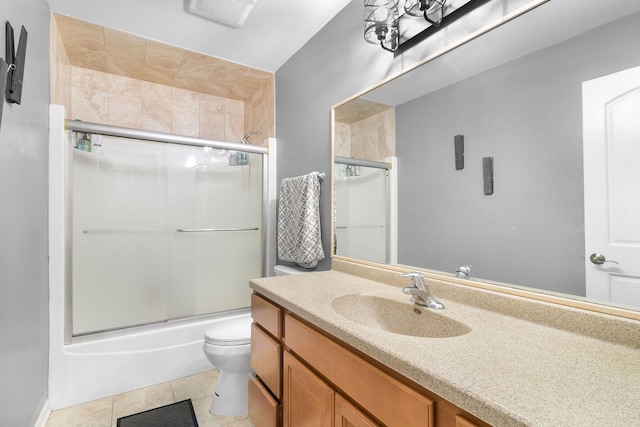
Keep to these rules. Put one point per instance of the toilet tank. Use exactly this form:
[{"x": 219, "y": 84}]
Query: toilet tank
[{"x": 286, "y": 270}]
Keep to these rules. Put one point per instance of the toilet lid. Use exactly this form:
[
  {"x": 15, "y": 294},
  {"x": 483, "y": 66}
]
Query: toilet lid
[{"x": 233, "y": 331}]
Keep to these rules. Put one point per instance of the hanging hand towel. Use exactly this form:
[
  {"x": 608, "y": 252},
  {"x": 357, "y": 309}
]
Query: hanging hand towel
[{"x": 299, "y": 238}]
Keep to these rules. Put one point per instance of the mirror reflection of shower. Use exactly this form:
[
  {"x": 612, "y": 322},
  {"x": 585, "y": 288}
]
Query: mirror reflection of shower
[{"x": 366, "y": 213}]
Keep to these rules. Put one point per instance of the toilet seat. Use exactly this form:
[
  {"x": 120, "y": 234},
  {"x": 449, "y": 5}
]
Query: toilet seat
[{"x": 234, "y": 331}]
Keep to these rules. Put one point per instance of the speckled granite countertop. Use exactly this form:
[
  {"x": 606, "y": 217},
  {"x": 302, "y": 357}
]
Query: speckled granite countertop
[{"x": 508, "y": 371}]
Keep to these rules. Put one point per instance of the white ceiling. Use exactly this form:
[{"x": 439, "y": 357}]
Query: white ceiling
[{"x": 274, "y": 31}]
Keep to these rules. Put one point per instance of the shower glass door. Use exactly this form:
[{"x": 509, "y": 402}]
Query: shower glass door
[
  {"x": 362, "y": 212},
  {"x": 162, "y": 232}
]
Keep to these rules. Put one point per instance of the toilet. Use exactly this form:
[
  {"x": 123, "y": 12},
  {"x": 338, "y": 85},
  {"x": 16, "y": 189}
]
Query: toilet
[
  {"x": 227, "y": 345},
  {"x": 285, "y": 270}
]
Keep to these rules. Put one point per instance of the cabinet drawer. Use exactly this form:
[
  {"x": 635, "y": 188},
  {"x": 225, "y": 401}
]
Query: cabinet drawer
[
  {"x": 386, "y": 398},
  {"x": 263, "y": 408},
  {"x": 268, "y": 315},
  {"x": 463, "y": 422},
  {"x": 266, "y": 356}
]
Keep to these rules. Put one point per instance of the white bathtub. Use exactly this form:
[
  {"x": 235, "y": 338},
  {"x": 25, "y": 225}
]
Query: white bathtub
[{"x": 113, "y": 363}]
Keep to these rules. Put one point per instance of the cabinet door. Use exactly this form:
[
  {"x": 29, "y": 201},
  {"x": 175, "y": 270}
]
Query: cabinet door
[
  {"x": 347, "y": 415},
  {"x": 307, "y": 400},
  {"x": 384, "y": 397}
]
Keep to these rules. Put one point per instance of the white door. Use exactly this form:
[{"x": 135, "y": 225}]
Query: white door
[{"x": 611, "y": 125}]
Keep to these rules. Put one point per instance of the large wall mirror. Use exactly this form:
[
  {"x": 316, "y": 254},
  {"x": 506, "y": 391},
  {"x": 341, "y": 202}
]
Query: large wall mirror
[{"x": 543, "y": 191}]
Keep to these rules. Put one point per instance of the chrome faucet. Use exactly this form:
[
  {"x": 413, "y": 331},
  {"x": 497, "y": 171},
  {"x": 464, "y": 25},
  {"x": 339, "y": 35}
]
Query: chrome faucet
[
  {"x": 463, "y": 271},
  {"x": 420, "y": 293}
]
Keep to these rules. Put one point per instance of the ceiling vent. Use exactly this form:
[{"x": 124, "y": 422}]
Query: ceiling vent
[{"x": 228, "y": 12}]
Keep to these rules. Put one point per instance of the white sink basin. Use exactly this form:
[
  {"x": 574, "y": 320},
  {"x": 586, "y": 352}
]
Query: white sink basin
[{"x": 393, "y": 313}]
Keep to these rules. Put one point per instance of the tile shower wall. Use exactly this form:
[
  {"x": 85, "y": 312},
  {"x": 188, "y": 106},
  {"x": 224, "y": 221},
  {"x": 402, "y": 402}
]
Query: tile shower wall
[
  {"x": 107, "y": 76},
  {"x": 373, "y": 138},
  {"x": 60, "y": 74},
  {"x": 122, "y": 101}
]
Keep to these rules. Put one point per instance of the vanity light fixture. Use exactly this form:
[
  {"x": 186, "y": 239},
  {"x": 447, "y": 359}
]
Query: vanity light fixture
[
  {"x": 381, "y": 23},
  {"x": 382, "y": 19},
  {"x": 430, "y": 10}
]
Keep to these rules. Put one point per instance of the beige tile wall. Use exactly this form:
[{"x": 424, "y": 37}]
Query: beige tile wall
[
  {"x": 60, "y": 76},
  {"x": 342, "y": 139},
  {"x": 123, "y": 101},
  {"x": 259, "y": 112},
  {"x": 373, "y": 138},
  {"x": 106, "y": 76}
]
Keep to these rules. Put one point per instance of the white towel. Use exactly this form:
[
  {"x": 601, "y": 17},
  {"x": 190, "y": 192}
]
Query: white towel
[{"x": 299, "y": 238}]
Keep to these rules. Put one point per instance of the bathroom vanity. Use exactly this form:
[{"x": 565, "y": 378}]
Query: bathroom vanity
[
  {"x": 318, "y": 377},
  {"x": 345, "y": 350}
]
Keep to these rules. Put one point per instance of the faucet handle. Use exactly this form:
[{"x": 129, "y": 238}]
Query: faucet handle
[
  {"x": 418, "y": 279},
  {"x": 420, "y": 291},
  {"x": 412, "y": 274}
]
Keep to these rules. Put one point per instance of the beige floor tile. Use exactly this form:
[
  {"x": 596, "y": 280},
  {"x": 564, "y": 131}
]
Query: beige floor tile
[
  {"x": 244, "y": 422},
  {"x": 91, "y": 414},
  {"x": 195, "y": 386},
  {"x": 206, "y": 419},
  {"x": 142, "y": 399}
]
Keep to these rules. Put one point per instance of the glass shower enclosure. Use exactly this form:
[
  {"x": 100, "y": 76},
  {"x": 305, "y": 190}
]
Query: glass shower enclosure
[
  {"x": 162, "y": 231},
  {"x": 364, "y": 214}
]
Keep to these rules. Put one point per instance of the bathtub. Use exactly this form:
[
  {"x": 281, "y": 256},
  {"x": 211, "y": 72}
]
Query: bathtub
[{"x": 116, "y": 362}]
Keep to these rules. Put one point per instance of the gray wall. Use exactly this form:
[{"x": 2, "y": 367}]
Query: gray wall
[
  {"x": 24, "y": 291},
  {"x": 316, "y": 78},
  {"x": 334, "y": 65},
  {"x": 527, "y": 114}
]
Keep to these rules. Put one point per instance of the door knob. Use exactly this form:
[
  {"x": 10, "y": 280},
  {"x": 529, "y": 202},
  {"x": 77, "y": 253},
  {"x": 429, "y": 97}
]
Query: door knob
[{"x": 600, "y": 259}]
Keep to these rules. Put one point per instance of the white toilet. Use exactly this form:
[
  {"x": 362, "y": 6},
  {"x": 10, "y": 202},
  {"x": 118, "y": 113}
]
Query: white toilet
[
  {"x": 227, "y": 345},
  {"x": 285, "y": 270}
]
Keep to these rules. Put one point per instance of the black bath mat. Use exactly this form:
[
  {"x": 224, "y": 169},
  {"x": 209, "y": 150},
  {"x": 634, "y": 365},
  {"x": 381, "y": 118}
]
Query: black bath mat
[{"x": 179, "y": 414}]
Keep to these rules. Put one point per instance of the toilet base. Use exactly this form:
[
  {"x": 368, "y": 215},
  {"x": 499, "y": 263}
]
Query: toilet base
[{"x": 231, "y": 395}]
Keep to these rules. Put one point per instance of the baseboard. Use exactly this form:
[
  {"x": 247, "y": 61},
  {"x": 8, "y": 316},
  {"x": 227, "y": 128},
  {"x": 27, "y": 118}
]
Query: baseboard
[{"x": 44, "y": 415}]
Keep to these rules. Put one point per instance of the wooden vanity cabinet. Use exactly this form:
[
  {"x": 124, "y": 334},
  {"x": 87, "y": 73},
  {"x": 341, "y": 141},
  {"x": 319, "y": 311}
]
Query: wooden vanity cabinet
[
  {"x": 264, "y": 409},
  {"x": 391, "y": 402},
  {"x": 265, "y": 391},
  {"x": 319, "y": 381},
  {"x": 307, "y": 401},
  {"x": 347, "y": 415},
  {"x": 463, "y": 422}
]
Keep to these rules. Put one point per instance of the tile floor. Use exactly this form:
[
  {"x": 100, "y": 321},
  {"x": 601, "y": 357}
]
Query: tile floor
[{"x": 105, "y": 412}]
